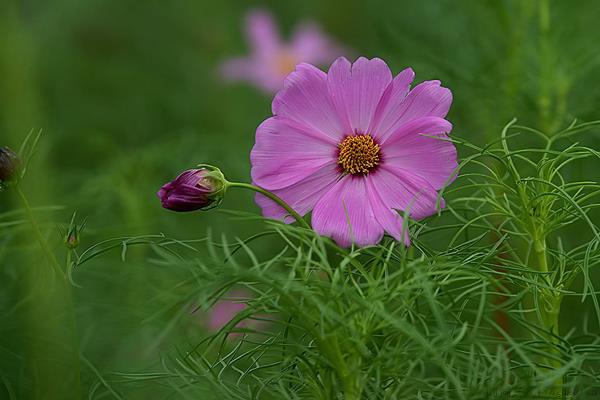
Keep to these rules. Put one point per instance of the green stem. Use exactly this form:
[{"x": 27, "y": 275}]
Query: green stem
[
  {"x": 551, "y": 324},
  {"x": 38, "y": 234},
  {"x": 546, "y": 72},
  {"x": 540, "y": 252},
  {"x": 273, "y": 197},
  {"x": 53, "y": 300},
  {"x": 349, "y": 383},
  {"x": 550, "y": 303}
]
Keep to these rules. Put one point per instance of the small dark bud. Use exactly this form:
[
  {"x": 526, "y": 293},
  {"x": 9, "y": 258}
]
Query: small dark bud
[
  {"x": 10, "y": 165},
  {"x": 72, "y": 239},
  {"x": 194, "y": 189}
]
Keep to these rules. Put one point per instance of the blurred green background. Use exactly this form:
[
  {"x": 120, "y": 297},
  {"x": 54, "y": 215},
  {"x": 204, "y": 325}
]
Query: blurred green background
[{"x": 127, "y": 94}]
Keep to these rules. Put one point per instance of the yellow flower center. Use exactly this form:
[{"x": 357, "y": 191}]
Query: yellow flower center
[
  {"x": 359, "y": 154},
  {"x": 286, "y": 63}
]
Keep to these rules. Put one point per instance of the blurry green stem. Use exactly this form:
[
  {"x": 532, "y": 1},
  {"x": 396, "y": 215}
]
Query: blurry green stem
[
  {"x": 38, "y": 234},
  {"x": 546, "y": 73},
  {"x": 349, "y": 382},
  {"x": 273, "y": 197},
  {"x": 54, "y": 299}
]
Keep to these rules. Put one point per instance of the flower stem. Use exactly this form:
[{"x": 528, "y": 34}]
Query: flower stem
[
  {"x": 55, "y": 300},
  {"x": 546, "y": 68},
  {"x": 273, "y": 197},
  {"x": 38, "y": 234},
  {"x": 550, "y": 313},
  {"x": 349, "y": 382}
]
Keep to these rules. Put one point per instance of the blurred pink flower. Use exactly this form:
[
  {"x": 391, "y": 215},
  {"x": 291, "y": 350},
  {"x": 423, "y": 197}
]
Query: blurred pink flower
[
  {"x": 356, "y": 146},
  {"x": 226, "y": 309},
  {"x": 271, "y": 60}
]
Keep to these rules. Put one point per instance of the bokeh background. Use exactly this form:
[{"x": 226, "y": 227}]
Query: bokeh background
[{"x": 127, "y": 94}]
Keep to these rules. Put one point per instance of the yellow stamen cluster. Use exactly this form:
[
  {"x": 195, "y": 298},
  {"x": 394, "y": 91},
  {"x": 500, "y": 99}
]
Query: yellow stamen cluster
[
  {"x": 286, "y": 63},
  {"x": 359, "y": 154}
]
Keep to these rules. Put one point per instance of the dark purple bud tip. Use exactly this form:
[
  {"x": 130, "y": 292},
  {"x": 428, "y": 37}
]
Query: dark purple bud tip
[
  {"x": 10, "y": 165},
  {"x": 194, "y": 189}
]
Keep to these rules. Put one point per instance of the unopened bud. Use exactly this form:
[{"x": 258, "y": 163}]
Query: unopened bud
[
  {"x": 10, "y": 165},
  {"x": 72, "y": 240},
  {"x": 194, "y": 189}
]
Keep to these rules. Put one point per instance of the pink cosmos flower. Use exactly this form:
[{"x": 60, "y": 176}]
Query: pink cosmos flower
[
  {"x": 357, "y": 147},
  {"x": 271, "y": 60}
]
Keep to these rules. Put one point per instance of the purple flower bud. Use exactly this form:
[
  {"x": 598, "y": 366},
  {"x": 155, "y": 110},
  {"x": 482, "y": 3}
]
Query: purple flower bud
[
  {"x": 10, "y": 165},
  {"x": 194, "y": 189}
]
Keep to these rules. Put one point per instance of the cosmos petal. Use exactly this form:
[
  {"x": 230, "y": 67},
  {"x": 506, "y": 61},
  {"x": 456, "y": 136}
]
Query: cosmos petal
[
  {"x": 310, "y": 44},
  {"x": 302, "y": 196},
  {"x": 262, "y": 34},
  {"x": 404, "y": 192},
  {"x": 390, "y": 104},
  {"x": 345, "y": 215},
  {"x": 422, "y": 148},
  {"x": 356, "y": 90},
  {"x": 305, "y": 100},
  {"x": 425, "y": 99},
  {"x": 287, "y": 152},
  {"x": 389, "y": 219},
  {"x": 238, "y": 69}
]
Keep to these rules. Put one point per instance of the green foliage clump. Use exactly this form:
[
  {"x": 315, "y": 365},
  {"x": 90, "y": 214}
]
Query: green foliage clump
[{"x": 470, "y": 311}]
